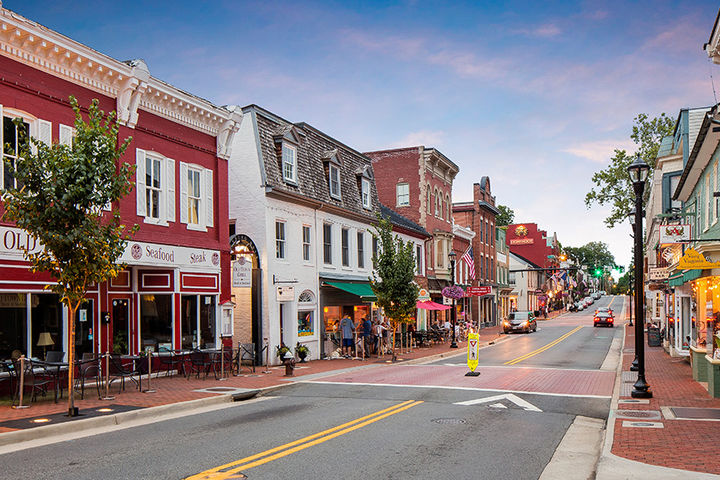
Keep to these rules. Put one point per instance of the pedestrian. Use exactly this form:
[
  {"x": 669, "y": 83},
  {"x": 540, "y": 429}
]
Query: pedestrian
[
  {"x": 366, "y": 335},
  {"x": 379, "y": 331},
  {"x": 347, "y": 328}
]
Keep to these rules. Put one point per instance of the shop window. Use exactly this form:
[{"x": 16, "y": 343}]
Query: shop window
[
  {"x": 207, "y": 321},
  {"x": 306, "y": 314},
  {"x": 403, "y": 194},
  {"x": 46, "y": 318},
  {"x": 345, "y": 239},
  {"x": 188, "y": 321},
  {"x": 197, "y": 322},
  {"x": 13, "y": 334},
  {"x": 155, "y": 321},
  {"x": 361, "y": 249},
  {"x": 120, "y": 326},
  {"x": 84, "y": 328}
]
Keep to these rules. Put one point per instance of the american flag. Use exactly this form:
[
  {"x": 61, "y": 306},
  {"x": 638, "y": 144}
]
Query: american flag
[{"x": 470, "y": 262}]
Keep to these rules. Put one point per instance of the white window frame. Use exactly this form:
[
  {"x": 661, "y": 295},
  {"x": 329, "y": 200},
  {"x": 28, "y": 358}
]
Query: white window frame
[
  {"x": 345, "y": 247},
  {"x": 37, "y": 128},
  {"x": 198, "y": 174},
  {"x": 327, "y": 259},
  {"x": 334, "y": 171},
  {"x": 360, "y": 235},
  {"x": 400, "y": 195},
  {"x": 206, "y": 202},
  {"x": 708, "y": 202},
  {"x": 447, "y": 207},
  {"x": 280, "y": 239},
  {"x": 166, "y": 197},
  {"x": 150, "y": 189},
  {"x": 365, "y": 193},
  {"x": 291, "y": 163},
  {"x": 307, "y": 243}
]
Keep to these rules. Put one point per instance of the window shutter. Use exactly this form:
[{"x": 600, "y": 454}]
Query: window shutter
[
  {"x": 66, "y": 135},
  {"x": 209, "y": 196},
  {"x": 183, "y": 192},
  {"x": 170, "y": 191},
  {"x": 140, "y": 182},
  {"x": 45, "y": 132}
]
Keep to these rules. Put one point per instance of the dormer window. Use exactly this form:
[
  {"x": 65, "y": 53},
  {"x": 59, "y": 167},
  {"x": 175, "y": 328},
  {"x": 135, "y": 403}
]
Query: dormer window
[
  {"x": 289, "y": 162},
  {"x": 333, "y": 172}
]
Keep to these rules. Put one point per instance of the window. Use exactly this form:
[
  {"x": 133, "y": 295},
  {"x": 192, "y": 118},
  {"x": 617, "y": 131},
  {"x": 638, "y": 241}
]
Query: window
[
  {"x": 289, "y": 162},
  {"x": 437, "y": 204},
  {"x": 361, "y": 249},
  {"x": 155, "y": 320},
  {"x": 279, "y": 239},
  {"x": 306, "y": 311},
  {"x": 194, "y": 198},
  {"x": 439, "y": 254},
  {"x": 153, "y": 184},
  {"x": 493, "y": 234},
  {"x": 481, "y": 231},
  {"x": 403, "y": 194},
  {"x": 375, "y": 246},
  {"x": 327, "y": 243},
  {"x": 439, "y": 211},
  {"x": 447, "y": 207},
  {"x": 306, "y": 243},
  {"x": 334, "y": 181},
  {"x": 428, "y": 204},
  {"x": 11, "y": 137},
  {"x": 365, "y": 193},
  {"x": 345, "y": 239},
  {"x": 418, "y": 259}
]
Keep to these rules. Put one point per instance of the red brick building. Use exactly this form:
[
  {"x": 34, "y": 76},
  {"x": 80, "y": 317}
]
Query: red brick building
[
  {"x": 416, "y": 182},
  {"x": 526, "y": 240},
  {"x": 177, "y": 274},
  {"x": 479, "y": 216}
]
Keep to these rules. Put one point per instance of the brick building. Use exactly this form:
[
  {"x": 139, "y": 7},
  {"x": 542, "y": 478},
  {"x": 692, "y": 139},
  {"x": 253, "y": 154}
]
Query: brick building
[
  {"x": 416, "y": 182},
  {"x": 479, "y": 216},
  {"x": 531, "y": 243},
  {"x": 177, "y": 275}
]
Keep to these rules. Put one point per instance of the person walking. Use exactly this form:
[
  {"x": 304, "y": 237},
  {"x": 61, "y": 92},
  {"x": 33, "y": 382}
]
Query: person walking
[
  {"x": 366, "y": 336},
  {"x": 347, "y": 328}
]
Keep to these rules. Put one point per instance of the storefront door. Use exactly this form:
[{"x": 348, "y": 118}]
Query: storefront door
[
  {"x": 84, "y": 321},
  {"x": 120, "y": 326}
]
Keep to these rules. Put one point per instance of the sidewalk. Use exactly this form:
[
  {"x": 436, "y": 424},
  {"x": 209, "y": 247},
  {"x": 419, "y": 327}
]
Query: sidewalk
[
  {"x": 176, "y": 389},
  {"x": 647, "y": 431}
]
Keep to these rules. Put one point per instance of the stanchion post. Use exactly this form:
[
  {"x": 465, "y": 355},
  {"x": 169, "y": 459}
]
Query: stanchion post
[
  {"x": 22, "y": 383},
  {"x": 267, "y": 356},
  {"x": 148, "y": 355},
  {"x": 107, "y": 378},
  {"x": 222, "y": 361}
]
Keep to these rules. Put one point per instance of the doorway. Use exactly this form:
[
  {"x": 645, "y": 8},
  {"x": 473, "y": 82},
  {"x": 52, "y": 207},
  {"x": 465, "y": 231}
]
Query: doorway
[
  {"x": 84, "y": 321},
  {"x": 120, "y": 342}
]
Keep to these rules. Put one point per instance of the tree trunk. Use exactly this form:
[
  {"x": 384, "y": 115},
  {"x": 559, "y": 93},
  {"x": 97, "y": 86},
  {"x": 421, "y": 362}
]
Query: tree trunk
[{"x": 71, "y": 357}]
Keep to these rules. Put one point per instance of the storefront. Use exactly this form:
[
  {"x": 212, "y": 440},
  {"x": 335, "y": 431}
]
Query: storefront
[{"x": 339, "y": 299}]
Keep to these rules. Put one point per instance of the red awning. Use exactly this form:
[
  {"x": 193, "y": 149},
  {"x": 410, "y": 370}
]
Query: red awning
[{"x": 428, "y": 305}]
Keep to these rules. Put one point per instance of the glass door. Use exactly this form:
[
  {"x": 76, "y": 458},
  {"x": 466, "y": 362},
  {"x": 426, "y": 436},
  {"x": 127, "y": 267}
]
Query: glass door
[
  {"x": 188, "y": 321},
  {"x": 84, "y": 321},
  {"x": 120, "y": 326}
]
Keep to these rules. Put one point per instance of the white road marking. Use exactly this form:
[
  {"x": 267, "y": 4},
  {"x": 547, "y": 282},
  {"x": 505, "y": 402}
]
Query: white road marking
[
  {"x": 509, "y": 397},
  {"x": 497, "y": 405}
]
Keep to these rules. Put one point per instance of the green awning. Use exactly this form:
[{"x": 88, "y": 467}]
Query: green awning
[
  {"x": 362, "y": 290},
  {"x": 678, "y": 278}
]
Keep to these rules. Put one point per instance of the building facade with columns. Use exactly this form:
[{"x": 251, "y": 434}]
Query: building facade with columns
[{"x": 177, "y": 264}]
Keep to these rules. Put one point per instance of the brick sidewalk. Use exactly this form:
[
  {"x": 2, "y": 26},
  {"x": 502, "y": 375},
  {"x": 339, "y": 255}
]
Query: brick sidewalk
[
  {"x": 179, "y": 389},
  {"x": 682, "y": 444}
]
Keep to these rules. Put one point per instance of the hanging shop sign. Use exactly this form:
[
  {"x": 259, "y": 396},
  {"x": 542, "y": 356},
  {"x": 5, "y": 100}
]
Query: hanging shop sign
[
  {"x": 692, "y": 260},
  {"x": 479, "y": 291},
  {"x": 675, "y": 233},
  {"x": 423, "y": 295},
  {"x": 285, "y": 294},
  {"x": 659, "y": 273},
  {"x": 242, "y": 272}
]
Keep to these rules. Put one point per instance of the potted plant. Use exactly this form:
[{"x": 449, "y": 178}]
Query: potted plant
[
  {"x": 281, "y": 350},
  {"x": 302, "y": 351}
]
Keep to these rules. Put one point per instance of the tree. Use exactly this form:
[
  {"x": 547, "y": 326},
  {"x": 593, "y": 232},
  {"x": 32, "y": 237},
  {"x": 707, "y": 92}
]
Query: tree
[
  {"x": 612, "y": 184},
  {"x": 393, "y": 277},
  {"x": 623, "y": 284},
  {"x": 505, "y": 217},
  {"x": 60, "y": 201},
  {"x": 593, "y": 255}
]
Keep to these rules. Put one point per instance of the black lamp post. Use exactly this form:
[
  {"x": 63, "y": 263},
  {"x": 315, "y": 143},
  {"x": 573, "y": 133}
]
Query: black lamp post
[
  {"x": 452, "y": 256},
  {"x": 638, "y": 171}
]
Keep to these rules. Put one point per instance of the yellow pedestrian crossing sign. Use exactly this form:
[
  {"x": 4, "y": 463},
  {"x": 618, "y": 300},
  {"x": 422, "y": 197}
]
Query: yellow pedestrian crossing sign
[{"x": 473, "y": 351}]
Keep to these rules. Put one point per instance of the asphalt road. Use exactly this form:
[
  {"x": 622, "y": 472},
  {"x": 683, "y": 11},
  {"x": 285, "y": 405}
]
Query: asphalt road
[{"x": 352, "y": 431}]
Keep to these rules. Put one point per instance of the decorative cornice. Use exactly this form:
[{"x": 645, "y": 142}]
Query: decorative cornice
[{"x": 129, "y": 83}]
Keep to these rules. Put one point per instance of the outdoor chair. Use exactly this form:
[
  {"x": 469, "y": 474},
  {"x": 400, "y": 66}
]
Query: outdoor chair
[
  {"x": 36, "y": 379},
  {"x": 171, "y": 361},
  {"x": 88, "y": 368},
  {"x": 246, "y": 355},
  {"x": 120, "y": 371},
  {"x": 55, "y": 357},
  {"x": 199, "y": 361}
]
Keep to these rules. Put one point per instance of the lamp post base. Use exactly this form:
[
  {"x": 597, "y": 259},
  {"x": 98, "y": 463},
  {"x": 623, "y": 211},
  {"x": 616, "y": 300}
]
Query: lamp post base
[
  {"x": 453, "y": 344},
  {"x": 641, "y": 390},
  {"x": 634, "y": 366}
]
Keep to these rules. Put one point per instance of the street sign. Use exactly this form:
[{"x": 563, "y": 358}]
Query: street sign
[
  {"x": 479, "y": 291},
  {"x": 473, "y": 354}
]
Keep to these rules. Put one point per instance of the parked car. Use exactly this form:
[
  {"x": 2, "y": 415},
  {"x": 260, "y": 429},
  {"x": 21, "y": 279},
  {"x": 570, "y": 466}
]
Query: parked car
[
  {"x": 596, "y": 295},
  {"x": 589, "y": 301},
  {"x": 604, "y": 318},
  {"x": 580, "y": 306},
  {"x": 520, "y": 322}
]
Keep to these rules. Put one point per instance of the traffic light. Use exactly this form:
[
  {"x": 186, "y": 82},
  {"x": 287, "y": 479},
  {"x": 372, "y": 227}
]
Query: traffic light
[{"x": 598, "y": 272}]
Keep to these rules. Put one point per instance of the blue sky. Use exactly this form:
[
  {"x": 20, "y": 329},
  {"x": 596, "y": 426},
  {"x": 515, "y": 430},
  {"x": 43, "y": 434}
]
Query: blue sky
[{"x": 533, "y": 94}]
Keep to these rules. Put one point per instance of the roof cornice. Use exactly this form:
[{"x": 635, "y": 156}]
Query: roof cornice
[{"x": 130, "y": 83}]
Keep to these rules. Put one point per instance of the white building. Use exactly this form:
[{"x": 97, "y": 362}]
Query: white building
[
  {"x": 526, "y": 283},
  {"x": 303, "y": 206}
]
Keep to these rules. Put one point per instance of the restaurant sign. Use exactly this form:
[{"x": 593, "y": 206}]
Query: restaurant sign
[
  {"x": 151, "y": 254},
  {"x": 479, "y": 291},
  {"x": 692, "y": 260},
  {"x": 675, "y": 233},
  {"x": 658, "y": 274},
  {"x": 15, "y": 241},
  {"x": 423, "y": 295}
]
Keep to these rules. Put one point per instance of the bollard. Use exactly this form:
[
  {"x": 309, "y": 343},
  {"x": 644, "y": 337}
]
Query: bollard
[
  {"x": 222, "y": 362},
  {"x": 267, "y": 357},
  {"x": 149, "y": 360},
  {"x": 107, "y": 377},
  {"x": 22, "y": 383}
]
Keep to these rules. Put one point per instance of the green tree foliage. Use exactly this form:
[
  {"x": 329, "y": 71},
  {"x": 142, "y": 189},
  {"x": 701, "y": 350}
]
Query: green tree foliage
[
  {"x": 592, "y": 255},
  {"x": 623, "y": 284},
  {"x": 394, "y": 275},
  {"x": 60, "y": 199},
  {"x": 506, "y": 216},
  {"x": 612, "y": 185}
]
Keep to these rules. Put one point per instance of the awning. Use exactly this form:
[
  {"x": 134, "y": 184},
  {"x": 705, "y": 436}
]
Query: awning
[
  {"x": 678, "y": 278},
  {"x": 362, "y": 290},
  {"x": 428, "y": 305}
]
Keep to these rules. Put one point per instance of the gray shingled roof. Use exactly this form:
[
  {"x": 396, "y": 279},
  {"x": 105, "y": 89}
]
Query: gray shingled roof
[{"x": 403, "y": 222}]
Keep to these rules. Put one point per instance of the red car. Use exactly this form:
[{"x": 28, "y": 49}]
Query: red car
[{"x": 604, "y": 318}]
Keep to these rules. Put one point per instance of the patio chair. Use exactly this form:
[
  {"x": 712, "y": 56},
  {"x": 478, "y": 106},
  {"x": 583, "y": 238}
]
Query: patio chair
[
  {"x": 246, "y": 355},
  {"x": 199, "y": 361},
  {"x": 88, "y": 368},
  {"x": 53, "y": 356},
  {"x": 171, "y": 361},
  {"x": 120, "y": 371},
  {"x": 36, "y": 379}
]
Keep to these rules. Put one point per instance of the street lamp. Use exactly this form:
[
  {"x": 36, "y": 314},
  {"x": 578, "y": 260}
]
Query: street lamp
[
  {"x": 452, "y": 256},
  {"x": 638, "y": 172}
]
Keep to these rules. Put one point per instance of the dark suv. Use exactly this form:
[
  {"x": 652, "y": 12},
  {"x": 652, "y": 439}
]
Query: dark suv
[{"x": 520, "y": 322}]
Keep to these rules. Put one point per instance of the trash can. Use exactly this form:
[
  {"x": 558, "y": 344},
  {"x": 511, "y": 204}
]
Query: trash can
[{"x": 653, "y": 334}]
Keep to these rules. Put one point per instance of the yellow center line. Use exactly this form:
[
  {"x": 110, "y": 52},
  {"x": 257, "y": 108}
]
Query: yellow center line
[
  {"x": 232, "y": 468},
  {"x": 543, "y": 348}
]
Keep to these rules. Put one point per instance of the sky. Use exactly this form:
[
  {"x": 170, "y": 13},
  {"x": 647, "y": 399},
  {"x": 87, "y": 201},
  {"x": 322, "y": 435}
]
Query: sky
[{"x": 535, "y": 95}]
